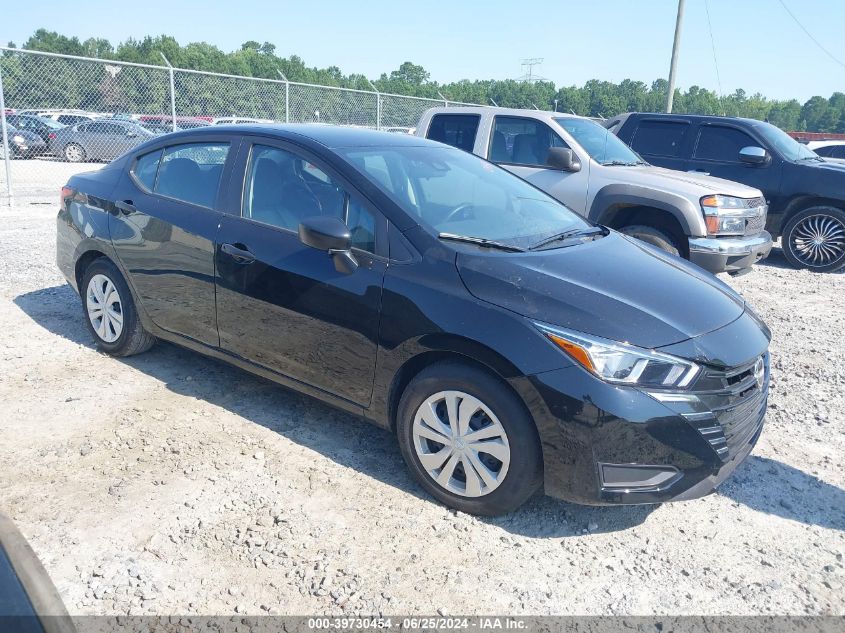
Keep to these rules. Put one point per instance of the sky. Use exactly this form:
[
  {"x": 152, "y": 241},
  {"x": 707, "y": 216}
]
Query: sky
[{"x": 758, "y": 47}]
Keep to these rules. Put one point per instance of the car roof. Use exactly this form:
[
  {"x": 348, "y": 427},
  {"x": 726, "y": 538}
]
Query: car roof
[
  {"x": 522, "y": 112},
  {"x": 693, "y": 117},
  {"x": 330, "y": 136}
]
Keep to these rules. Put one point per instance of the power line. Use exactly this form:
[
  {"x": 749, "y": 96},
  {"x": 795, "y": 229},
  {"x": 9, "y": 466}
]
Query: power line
[
  {"x": 815, "y": 41},
  {"x": 713, "y": 46}
]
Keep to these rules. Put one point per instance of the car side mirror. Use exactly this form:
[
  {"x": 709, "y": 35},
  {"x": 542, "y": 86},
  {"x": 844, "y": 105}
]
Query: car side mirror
[
  {"x": 331, "y": 235},
  {"x": 754, "y": 155},
  {"x": 563, "y": 158}
]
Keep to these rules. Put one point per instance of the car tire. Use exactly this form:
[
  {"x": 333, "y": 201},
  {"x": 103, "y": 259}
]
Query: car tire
[
  {"x": 73, "y": 153},
  {"x": 815, "y": 239},
  {"x": 656, "y": 237},
  {"x": 509, "y": 477},
  {"x": 110, "y": 313}
]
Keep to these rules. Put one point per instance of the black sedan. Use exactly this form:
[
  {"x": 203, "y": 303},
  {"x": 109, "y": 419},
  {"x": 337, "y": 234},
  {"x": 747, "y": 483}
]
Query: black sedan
[
  {"x": 41, "y": 126},
  {"x": 22, "y": 143},
  {"x": 509, "y": 344}
]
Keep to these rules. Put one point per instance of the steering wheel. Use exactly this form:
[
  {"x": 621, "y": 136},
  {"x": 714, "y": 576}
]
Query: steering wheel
[{"x": 457, "y": 211}]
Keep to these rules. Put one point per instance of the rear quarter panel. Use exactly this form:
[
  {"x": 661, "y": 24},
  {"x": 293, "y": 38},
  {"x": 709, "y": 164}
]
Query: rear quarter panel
[{"x": 82, "y": 224}]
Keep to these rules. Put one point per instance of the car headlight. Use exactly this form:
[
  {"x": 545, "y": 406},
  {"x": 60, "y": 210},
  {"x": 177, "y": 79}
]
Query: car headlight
[
  {"x": 726, "y": 215},
  {"x": 621, "y": 363},
  {"x": 17, "y": 139}
]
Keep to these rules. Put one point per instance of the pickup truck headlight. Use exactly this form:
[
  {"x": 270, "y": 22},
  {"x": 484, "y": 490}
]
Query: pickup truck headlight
[
  {"x": 726, "y": 215},
  {"x": 621, "y": 363}
]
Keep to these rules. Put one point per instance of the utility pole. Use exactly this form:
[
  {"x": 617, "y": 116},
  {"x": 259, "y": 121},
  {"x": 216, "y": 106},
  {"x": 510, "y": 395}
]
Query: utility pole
[{"x": 674, "y": 64}]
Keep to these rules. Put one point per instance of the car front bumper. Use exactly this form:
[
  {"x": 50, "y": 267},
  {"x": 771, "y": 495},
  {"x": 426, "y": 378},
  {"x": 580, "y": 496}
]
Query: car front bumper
[
  {"x": 606, "y": 445},
  {"x": 729, "y": 254}
]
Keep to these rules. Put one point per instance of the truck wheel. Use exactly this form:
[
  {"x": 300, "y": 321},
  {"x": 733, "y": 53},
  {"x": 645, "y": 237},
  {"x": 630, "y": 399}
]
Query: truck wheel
[
  {"x": 815, "y": 239},
  {"x": 656, "y": 237}
]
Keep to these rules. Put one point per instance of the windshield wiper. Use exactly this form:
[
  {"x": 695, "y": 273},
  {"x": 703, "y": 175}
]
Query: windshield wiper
[
  {"x": 623, "y": 163},
  {"x": 812, "y": 158},
  {"x": 595, "y": 230},
  {"x": 481, "y": 241}
]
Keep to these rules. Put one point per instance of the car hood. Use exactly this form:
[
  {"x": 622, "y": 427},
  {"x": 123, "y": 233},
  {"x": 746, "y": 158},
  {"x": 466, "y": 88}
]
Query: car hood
[
  {"x": 830, "y": 164},
  {"x": 695, "y": 185},
  {"x": 614, "y": 287}
]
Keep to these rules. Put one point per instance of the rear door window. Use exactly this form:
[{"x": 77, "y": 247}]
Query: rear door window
[
  {"x": 191, "y": 172},
  {"x": 518, "y": 141},
  {"x": 146, "y": 168},
  {"x": 660, "y": 138},
  {"x": 457, "y": 130},
  {"x": 721, "y": 143}
]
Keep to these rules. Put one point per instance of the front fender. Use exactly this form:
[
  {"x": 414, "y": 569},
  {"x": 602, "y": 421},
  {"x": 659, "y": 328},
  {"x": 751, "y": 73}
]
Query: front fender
[{"x": 622, "y": 195}]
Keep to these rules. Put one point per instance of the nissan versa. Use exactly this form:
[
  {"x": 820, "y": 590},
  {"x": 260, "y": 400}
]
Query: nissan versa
[{"x": 509, "y": 343}]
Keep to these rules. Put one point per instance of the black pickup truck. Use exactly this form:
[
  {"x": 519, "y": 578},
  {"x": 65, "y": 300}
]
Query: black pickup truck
[{"x": 805, "y": 192}]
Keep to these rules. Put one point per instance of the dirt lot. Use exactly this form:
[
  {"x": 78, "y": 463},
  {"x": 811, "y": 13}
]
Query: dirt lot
[{"x": 170, "y": 483}]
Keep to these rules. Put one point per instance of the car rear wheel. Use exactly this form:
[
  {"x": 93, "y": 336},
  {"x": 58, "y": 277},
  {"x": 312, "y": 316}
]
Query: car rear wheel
[
  {"x": 110, "y": 312},
  {"x": 468, "y": 440},
  {"x": 815, "y": 239},
  {"x": 656, "y": 237},
  {"x": 74, "y": 153}
]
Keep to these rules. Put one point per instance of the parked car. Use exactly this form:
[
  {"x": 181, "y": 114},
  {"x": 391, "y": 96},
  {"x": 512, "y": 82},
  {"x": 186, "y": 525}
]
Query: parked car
[
  {"x": 509, "y": 343},
  {"x": 805, "y": 192},
  {"x": 37, "y": 125},
  {"x": 65, "y": 117},
  {"x": 715, "y": 223},
  {"x": 97, "y": 140},
  {"x": 22, "y": 143},
  {"x": 828, "y": 149},
  {"x": 236, "y": 120},
  {"x": 162, "y": 124}
]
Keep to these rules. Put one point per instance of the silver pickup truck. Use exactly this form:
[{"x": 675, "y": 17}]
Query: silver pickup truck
[{"x": 715, "y": 223}]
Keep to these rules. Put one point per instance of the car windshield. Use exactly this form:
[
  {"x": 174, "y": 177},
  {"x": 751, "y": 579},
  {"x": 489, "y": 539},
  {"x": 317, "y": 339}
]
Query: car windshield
[
  {"x": 50, "y": 123},
  {"x": 787, "y": 146},
  {"x": 456, "y": 193},
  {"x": 600, "y": 143}
]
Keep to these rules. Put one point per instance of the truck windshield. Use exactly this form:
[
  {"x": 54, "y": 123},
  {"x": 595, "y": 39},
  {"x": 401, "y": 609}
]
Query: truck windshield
[
  {"x": 783, "y": 143},
  {"x": 601, "y": 144},
  {"x": 456, "y": 193}
]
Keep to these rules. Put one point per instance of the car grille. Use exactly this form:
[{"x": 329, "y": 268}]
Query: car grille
[
  {"x": 755, "y": 225},
  {"x": 735, "y": 404}
]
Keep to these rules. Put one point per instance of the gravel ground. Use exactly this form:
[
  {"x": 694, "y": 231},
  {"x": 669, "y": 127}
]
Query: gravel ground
[{"x": 169, "y": 483}]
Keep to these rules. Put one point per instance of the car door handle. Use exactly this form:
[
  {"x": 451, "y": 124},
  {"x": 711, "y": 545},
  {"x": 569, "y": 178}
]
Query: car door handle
[
  {"x": 125, "y": 207},
  {"x": 240, "y": 255}
]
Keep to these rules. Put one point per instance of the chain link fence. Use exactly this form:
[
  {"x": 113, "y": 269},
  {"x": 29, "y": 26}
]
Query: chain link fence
[{"x": 60, "y": 112}]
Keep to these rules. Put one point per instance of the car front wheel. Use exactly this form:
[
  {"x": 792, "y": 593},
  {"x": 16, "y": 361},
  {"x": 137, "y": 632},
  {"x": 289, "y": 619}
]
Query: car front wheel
[
  {"x": 656, "y": 237},
  {"x": 110, "y": 312},
  {"x": 468, "y": 439},
  {"x": 815, "y": 239}
]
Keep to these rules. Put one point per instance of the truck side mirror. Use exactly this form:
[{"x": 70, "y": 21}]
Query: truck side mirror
[
  {"x": 754, "y": 155},
  {"x": 563, "y": 158}
]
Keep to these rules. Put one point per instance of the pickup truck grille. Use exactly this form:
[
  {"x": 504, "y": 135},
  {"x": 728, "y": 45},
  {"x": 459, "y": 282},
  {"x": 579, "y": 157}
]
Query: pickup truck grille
[
  {"x": 736, "y": 399},
  {"x": 755, "y": 225}
]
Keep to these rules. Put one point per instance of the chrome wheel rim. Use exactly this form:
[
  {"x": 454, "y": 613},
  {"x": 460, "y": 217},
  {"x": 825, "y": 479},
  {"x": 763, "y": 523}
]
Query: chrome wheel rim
[
  {"x": 461, "y": 444},
  {"x": 73, "y": 153},
  {"x": 105, "y": 311},
  {"x": 818, "y": 240}
]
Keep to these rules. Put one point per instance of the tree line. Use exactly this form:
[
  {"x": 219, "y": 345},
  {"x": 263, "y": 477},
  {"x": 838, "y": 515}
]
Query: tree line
[{"x": 595, "y": 98}]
